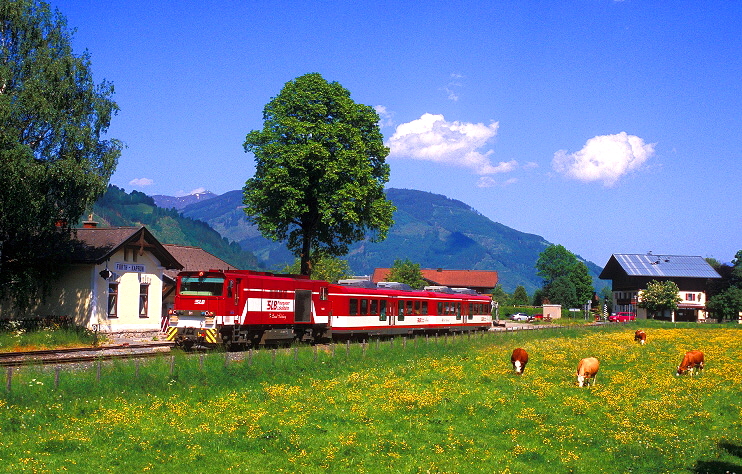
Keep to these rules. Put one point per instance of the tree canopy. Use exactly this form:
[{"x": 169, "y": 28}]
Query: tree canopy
[
  {"x": 320, "y": 171},
  {"x": 567, "y": 280},
  {"x": 53, "y": 159},
  {"x": 405, "y": 271},
  {"x": 660, "y": 296},
  {"x": 725, "y": 295}
]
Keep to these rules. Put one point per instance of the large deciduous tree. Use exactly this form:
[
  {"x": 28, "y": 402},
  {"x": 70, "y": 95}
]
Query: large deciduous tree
[
  {"x": 567, "y": 280},
  {"x": 54, "y": 162},
  {"x": 660, "y": 296},
  {"x": 320, "y": 171}
]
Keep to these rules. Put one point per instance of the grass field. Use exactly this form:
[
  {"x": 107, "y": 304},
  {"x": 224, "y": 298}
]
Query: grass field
[{"x": 445, "y": 405}]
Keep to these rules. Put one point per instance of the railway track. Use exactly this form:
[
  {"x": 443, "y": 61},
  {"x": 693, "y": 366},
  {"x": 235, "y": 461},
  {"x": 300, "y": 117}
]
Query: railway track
[{"x": 83, "y": 354}]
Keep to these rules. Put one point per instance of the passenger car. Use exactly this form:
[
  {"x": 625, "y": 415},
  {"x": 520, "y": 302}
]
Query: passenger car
[
  {"x": 520, "y": 317},
  {"x": 622, "y": 317}
]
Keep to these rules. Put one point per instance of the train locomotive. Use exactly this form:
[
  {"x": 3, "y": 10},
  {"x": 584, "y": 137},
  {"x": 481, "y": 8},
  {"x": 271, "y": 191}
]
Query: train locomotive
[{"x": 244, "y": 308}]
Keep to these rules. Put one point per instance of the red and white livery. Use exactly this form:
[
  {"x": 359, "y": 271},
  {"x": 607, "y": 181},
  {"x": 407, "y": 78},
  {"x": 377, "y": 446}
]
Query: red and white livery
[{"x": 242, "y": 307}]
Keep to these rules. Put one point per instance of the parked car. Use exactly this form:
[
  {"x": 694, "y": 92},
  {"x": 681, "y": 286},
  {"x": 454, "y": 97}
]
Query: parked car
[
  {"x": 520, "y": 317},
  {"x": 621, "y": 317},
  {"x": 538, "y": 316}
]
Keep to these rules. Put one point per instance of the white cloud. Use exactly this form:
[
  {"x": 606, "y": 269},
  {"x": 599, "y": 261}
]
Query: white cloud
[
  {"x": 386, "y": 118},
  {"x": 486, "y": 182},
  {"x": 604, "y": 158},
  {"x": 432, "y": 138},
  {"x": 141, "y": 182}
]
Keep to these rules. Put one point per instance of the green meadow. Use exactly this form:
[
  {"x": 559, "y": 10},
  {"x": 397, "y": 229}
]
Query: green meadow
[{"x": 425, "y": 405}]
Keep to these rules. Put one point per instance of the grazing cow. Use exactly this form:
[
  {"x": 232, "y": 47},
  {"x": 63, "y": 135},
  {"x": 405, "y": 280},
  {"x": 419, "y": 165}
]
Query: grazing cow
[
  {"x": 692, "y": 361},
  {"x": 587, "y": 369},
  {"x": 519, "y": 360},
  {"x": 640, "y": 336}
]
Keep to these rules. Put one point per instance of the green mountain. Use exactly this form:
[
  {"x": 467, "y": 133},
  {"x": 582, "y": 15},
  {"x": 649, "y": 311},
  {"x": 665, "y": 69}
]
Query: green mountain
[
  {"x": 117, "y": 208},
  {"x": 429, "y": 229}
]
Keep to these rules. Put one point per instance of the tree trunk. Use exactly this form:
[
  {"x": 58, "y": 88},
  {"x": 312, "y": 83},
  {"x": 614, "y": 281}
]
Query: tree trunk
[{"x": 306, "y": 248}]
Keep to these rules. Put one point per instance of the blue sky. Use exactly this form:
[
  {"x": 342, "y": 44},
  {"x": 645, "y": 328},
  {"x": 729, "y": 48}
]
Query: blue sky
[{"x": 605, "y": 126}]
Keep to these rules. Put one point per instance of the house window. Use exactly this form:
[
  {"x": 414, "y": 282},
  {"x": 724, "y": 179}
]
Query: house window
[
  {"x": 143, "y": 300},
  {"x": 113, "y": 298},
  {"x": 690, "y": 297}
]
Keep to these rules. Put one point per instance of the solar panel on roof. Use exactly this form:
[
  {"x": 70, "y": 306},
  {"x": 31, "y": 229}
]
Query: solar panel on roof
[{"x": 665, "y": 266}]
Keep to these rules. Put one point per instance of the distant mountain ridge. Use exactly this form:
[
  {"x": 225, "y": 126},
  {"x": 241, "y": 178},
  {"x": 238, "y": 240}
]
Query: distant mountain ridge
[
  {"x": 169, "y": 226},
  {"x": 180, "y": 202},
  {"x": 429, "y": 229}
]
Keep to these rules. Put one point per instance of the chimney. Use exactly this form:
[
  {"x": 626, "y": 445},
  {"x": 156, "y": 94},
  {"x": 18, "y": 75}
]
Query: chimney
[{"x": 90, "y": 223}]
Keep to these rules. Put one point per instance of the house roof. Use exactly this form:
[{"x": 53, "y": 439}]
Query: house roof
[
  {"x": 98, "y": 244},
  {"x": 450, "y": 278},
  {"x": 660, "y": 266},
  {"x": 194, "y": 259}
]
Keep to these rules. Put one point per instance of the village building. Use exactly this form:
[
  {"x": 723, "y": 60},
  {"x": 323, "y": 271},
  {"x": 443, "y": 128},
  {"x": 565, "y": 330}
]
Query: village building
[
  {"x": 481, "y": 281},
  {"x": 631, "y": 273},
  {"x": 113, "y": 284}
]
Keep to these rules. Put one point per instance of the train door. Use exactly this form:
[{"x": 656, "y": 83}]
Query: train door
[{"x": 303, "y": 306}]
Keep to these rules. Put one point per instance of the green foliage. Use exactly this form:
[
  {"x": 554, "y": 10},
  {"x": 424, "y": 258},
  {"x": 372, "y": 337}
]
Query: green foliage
[
  {"x": 727, "y": 304},
  {"x": 53, "y": 161},
  {"x": 320, "y": 171},
  {"x": 404, "y": 271},
  {"x": 520, "y": 296},
  {"x": 660, "y": 296},
  {"x": 329, "y": 269},
  {"x": 567, "y": 280},
  {"x": 499, "y": 295},
  {"x": 117, "y": 208}
]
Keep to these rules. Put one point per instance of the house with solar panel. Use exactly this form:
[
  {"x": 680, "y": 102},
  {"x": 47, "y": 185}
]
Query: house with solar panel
[{"x": 631, "y": 273}]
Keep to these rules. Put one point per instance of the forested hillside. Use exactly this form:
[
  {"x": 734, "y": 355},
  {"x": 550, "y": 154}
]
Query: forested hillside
[
  {"x": 117, "y": 208},
  {"x": 429, "y": 229}
]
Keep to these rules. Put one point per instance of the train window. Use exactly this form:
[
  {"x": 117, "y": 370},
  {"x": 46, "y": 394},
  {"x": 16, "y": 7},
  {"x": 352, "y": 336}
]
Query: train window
[
  {"x": 230, "y": 287},
  {"x": 374, "y": 308},
  {"x": 458, "y": 310},
  {"x": 382, "y": 310},
  {"x": 425, "y": 308},
  {"x": 201, "y": 286},
  {"x": 364, "y": 307},
  {"x": 471, "y": 311},
  {"x": 323, "y": 293},
  {"x": 440, "y": 308},
  {"x": 408, "y": 308},
  {"x": 400, "y": 314},
  {"x": 417, "y": 308},
  {"x": 353, "y": 307}
]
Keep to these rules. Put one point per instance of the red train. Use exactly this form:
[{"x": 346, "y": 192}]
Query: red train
[{"x": 247, "y": 308}]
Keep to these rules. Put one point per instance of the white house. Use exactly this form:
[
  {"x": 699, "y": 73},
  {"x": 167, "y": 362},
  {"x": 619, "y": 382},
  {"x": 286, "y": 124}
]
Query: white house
[{"x": 630, "y": 274}]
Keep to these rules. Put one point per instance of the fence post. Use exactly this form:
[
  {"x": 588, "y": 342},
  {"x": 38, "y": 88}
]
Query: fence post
[
  {"x": 273, "y": 360},
  {"x": 201, "y": 361},
  {"x": 136, "y": 368},
  {"x": 9, "y": 379},
  {"x": 57, "y": 369},
  {"x": 296, "y": 353},
  {"x": 363, "y": 349},
  {"x": 347, "y": 348},
  {"x": 249, "y": 356},
  {"x": 97, "y": 371},
  {"x": 315, "y": 353},
  {"x": 172, "y": 365}
]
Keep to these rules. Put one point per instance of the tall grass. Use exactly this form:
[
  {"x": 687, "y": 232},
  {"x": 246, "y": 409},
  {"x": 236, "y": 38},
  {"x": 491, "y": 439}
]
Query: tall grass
[
  {"x": 441, "y": 405},
  {"x": 17, "y": 338}
]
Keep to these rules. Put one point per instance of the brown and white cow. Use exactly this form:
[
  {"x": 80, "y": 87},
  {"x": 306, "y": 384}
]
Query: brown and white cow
[
  {"x": 640, "y": 336},
  {"x": 692, "y": 362},
  {"x": 519, "y": 360},
  {"x": 587, "y": 369}
]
